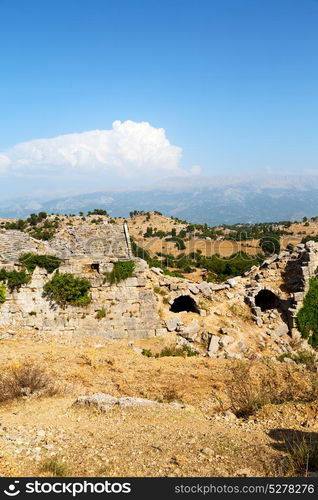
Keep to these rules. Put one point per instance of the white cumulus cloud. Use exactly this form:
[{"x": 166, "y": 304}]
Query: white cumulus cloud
[{"x": 128, "y": 149}]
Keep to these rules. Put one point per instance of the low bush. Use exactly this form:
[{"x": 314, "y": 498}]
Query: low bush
[
  {"x": 55, "y": 466},
  {"x": 48, "y": 262},
  {"x": 42, "y": 234},
  {"x": 304, "y": 357},
  {"x": 302, "y": 455},
  {"x": 121, "y": 271},
  {"x": 14, "y": 279},
  {"x": 101, "y": 313},
  {"x": 2, "y": 294},
  {"x": 251, "y": 387},
  {"x": 184, "y": 351},
  {"x": 66, "y": 289},
  {"x": 307, "y": 317},
  {"x": 25, "y": 379}
]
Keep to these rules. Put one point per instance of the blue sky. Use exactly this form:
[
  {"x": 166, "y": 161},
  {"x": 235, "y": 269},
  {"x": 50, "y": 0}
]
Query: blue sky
[{"x": 232, "y": 82}]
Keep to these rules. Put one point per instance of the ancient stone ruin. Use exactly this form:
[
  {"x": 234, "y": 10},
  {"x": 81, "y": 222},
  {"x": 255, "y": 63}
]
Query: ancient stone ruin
[
  {"x": 150, "y": 303},
  {"x": 130, "y": 308}
]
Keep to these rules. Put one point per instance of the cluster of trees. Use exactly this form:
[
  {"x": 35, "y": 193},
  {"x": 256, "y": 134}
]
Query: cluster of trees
[
  {"x": 307, "y": 317},
  {"x": 134, "y": 213},
  {"x": 96, "y": 211},
  {"x": 37, "y": 225}
]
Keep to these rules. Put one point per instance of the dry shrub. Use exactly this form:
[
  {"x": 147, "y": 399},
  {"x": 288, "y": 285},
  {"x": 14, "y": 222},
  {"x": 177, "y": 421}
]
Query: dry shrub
[
  {"x": 26, "y": 379},
  {"x": 252, "y": 385},
  {"x": 170, "y": 395},
  {"x": 241, "y": 310},
  {"x": 302, "y": 455},
  {"x": 55, "y": 466}
]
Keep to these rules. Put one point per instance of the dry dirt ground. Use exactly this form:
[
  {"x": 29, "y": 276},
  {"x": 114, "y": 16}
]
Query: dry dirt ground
[{"x": 198, "y": 440}]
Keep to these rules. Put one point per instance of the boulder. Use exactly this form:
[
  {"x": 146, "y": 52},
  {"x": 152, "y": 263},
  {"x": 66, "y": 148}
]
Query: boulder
[
  {"x": 193, "y": 288},
  {"x": 281, "y": 330},
  {"x": 172, "y": 324},
  {"x": 157, "y": 270},
  {"x": 232, "y": 282},
  {"x": 214, "y": 344},
  {"x": 129, "y": 401},
  {"x": 105, "y": 401},
  {"x": 226, "y": 340},
  {"x": 100, "y": 400}
]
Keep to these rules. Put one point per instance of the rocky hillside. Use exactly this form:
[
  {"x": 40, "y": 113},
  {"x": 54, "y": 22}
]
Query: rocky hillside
[{"x": 105, "y": 352}]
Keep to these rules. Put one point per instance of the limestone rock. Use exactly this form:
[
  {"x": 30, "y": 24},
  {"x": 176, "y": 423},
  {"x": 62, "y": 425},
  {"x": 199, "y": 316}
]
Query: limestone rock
[
  {"x": 281, "y": 330},
  {"x": 172, "y": 324},
  {"x": 128, "y": 401},
  {"x": 99, "y": 400},
  {"x": 213, "y": 345}
]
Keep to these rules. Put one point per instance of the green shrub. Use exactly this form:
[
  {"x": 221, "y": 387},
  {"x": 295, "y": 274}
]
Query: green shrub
[
  {"x": 48, "y": 262},
  {"x": 270, "y": 245},
  {"x": 147, "y": 353},
  {"x": 67, "y": 289},
  {"x": 307, "y": 317},
  {"x": 178, "y": 241},
  {"x": 14, "y": 279},
  {"x": 2, "y": 294},
  {"x": 101, "y": 313},
  {"x": 121, "y": 271},
  {"x": 42, "y": 234},
  {"x": 303, "y": 357}
]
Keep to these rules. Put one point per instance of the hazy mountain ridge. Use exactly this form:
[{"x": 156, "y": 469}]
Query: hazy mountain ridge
[{"x": 198, "y": 199}]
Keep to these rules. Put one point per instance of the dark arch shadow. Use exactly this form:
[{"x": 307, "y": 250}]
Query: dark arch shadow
[
  {"x": 184, "y": 303},
  {"x": 266, "y": 299}
]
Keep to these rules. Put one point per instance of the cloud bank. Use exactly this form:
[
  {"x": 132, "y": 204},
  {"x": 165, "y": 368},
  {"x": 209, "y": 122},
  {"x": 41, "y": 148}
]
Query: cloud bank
[{"x": 128, "y": 150}]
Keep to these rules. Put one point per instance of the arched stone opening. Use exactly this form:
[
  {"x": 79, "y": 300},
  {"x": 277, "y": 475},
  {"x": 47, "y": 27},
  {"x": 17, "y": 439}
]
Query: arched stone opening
[
  {"x": 184, "y": 303},
  {"x": 266, "y": 300}
]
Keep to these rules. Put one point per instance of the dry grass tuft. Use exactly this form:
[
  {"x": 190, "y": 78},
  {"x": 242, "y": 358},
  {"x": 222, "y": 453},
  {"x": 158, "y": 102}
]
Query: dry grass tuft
[
  {"x": 254, "y": 385},
  {"x": 302, "y": 455},
  {"x": 55, "y": 466},
  {"x": 24, "y": 380}
]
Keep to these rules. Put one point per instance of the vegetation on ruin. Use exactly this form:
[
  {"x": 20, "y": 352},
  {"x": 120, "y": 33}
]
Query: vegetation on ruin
[
  {"x": 32, "y": 260},
  {"x": 2, "y": 293},
  {"x": 307, "y": 317},
  {"x": 302, "y": 357},
  {"x": 101, "y": 313},
  {"x": 66, "y": 289},
  {"x": 121, "y": 271},
  {"x": 14, "y": 279}
]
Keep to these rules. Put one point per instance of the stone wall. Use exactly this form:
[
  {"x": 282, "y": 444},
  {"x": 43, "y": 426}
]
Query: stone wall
[
  {"x": 130, "y": 306},
  {"x": 101, "y": 241}
]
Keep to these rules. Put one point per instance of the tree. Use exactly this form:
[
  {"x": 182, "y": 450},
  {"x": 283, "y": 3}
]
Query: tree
[
  {"x": 270, "y": 245},
  {"x": 97, "y": 211}
]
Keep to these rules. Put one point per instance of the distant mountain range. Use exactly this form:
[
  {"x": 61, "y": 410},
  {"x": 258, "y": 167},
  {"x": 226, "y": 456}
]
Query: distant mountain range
[{"x": 199, "y": 199}]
